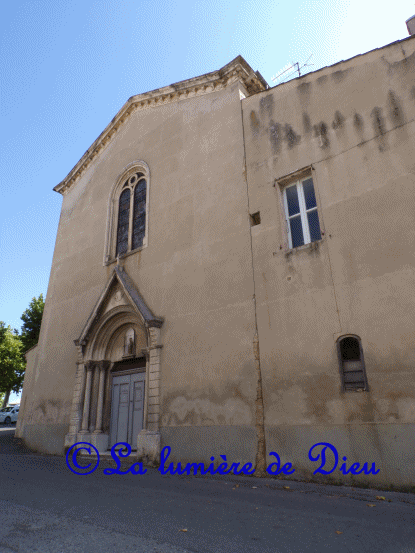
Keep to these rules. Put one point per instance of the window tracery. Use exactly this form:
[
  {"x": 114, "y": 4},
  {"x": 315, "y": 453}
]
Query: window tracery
[{"x": 127, "y": 226}]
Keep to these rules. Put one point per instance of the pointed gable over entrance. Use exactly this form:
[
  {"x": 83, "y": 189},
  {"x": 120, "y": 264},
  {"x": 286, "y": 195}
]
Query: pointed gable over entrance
[{"x": 119, "y": 291}]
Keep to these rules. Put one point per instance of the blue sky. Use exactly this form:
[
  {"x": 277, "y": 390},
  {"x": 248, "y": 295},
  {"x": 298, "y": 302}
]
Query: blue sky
[{"x": 68, "y": 67}]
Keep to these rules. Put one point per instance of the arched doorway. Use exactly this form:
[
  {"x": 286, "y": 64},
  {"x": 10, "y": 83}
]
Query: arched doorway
[{"x": 119, "y": 353}]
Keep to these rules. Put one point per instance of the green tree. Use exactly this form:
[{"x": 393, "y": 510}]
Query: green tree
[
  {"x": 13, "y": 347},
  {"x": 12, "y": 363},
  {"x": 32, "y": 319},
  {"x": 3, "y": 329}
]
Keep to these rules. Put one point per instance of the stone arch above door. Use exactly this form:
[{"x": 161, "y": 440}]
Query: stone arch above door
[
  {"x": 121, "y": 326},
  {"x": 108, "y": 341}
]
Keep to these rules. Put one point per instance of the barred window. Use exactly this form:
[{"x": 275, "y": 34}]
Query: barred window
[{"x": 352, "y": 366}]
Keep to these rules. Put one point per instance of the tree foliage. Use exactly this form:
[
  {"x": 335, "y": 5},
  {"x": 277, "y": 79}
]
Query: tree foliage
[
  {"x": 3, "y": 329},
  {"x": 32, "y": 319},
  {"x": 12, "y": 363},
  {"x": 13, "y": 346}
]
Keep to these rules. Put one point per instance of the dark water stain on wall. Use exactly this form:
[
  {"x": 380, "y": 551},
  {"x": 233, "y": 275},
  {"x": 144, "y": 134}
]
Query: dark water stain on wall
[
  {"x": 304, "y": 89},
  {"x": 395, "y": 109},
  {"x": 368, "y": 409},
  {"x": 378, "y": 121},
  {"x": 338, "y": 120},
  {"x": 306, "y": 123},
  {"x": 266, "y": 105},
  {"x": 291, "y": 136},
  {"x": 254, "y": 122},
  {"x": 275, "y": 136},
  {"x": 320, "y": 130},
  {"x": 338, "y": 76},
  {"x": 318, "y": 389},
  {"x": 50, "y": 407},
  {"x": 322, "y": 80},
  {"x": 42, "y": 407},
  {"x": 362, "y": 410},
  {"x": 358, "y": 122},
  {"x": 189, "y": 410},
  {"x": 404, "y": 67}
]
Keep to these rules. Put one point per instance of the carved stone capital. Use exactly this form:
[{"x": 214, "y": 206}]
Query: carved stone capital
[
  {"x": 155, "y": 323},
  {"x": 103, "y": 365},
  {"x": 90, "y": 365},
  {"x": 146, "y": 351}
]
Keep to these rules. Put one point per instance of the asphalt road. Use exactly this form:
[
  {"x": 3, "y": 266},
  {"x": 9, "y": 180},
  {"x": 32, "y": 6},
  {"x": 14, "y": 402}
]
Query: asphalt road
[{"x": 45, "y": 508}]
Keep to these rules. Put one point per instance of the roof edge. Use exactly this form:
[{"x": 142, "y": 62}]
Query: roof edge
[
  {"x": 237, "y": 69},
  {"x": 345, "y": 61}
]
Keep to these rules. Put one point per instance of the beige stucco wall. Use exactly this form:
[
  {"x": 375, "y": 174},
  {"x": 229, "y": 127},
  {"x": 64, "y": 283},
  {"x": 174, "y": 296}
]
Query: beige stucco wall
[
  {"x": 360, "y": 280},
  {"x": 196, "y": 271},
  {"x": 354, "y": 124},
  {"x": 28, "y": 383}
]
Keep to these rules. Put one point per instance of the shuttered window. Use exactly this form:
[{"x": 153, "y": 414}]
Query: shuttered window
[{"x": 352, "y": 367}]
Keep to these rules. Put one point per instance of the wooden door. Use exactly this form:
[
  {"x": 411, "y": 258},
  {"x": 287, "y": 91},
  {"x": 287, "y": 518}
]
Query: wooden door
[{"x": 127, "y": 408}]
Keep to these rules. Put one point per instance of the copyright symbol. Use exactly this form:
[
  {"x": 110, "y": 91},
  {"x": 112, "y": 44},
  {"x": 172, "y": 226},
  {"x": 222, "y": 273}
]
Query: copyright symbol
[{"x": 72, "y": 454}]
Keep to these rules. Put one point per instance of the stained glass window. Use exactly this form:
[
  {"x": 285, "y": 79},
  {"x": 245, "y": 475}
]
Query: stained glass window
[
  {"x": 139, "y": 219},
  {"x": 123, "y": 222}
]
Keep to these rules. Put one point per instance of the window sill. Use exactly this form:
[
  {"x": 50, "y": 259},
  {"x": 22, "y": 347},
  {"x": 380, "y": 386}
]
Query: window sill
[
  {"x": 307, "y": 247},
  {"x": 124, "y": 255}
]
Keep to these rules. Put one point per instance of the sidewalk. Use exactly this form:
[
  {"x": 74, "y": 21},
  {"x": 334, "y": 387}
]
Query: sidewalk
[{"x": 14, "y": 446}]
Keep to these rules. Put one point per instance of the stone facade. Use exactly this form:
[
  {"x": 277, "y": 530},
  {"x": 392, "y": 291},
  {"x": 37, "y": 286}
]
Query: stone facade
[{"x": 240, "y": 331}]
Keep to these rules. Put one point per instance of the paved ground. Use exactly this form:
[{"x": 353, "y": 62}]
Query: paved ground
[{"x": 45, "y": 508}]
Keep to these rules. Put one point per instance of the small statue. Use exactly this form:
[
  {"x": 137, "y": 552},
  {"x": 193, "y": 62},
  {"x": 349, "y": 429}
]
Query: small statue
[
  {"x": 131, "y": 346},
  {"x": 129, "y": 342}
]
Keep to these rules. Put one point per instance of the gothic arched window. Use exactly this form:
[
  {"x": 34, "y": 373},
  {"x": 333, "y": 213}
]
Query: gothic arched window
[
  {"x": 139, "y": 214},
  {"x": 123, "y": 222},
  {"x": 128, "y": 213}
]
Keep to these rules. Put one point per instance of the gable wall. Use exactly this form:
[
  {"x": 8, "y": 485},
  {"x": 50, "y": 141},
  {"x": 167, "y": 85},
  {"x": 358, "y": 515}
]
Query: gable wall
[{"x": 196, "y": 271}]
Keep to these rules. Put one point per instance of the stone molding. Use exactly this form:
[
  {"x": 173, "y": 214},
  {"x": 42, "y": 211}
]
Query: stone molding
[
  {"x": 92, "y": 359},
  {"x": 113, "y": 206},
  {"x": 237, "y": 70},
  {"x": 77, "y": 400},
  {"x": 137, "y": 304}
]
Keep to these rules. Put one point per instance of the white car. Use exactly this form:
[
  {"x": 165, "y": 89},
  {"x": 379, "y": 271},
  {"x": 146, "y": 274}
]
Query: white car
[{"x": 9, "y": 414}]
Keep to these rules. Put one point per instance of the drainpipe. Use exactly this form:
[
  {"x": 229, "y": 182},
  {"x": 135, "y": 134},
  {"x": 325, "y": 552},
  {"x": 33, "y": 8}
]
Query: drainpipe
[
  {"x": 260, "y": 465},
  {"x": 259, "y": 410}
]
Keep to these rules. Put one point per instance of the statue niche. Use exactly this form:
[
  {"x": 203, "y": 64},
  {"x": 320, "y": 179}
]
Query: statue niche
[{"x": 129, "y": 343}]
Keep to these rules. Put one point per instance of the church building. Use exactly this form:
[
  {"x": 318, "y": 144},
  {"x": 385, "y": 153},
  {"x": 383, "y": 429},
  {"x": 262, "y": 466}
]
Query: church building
[{"x": 234, "y": 274}]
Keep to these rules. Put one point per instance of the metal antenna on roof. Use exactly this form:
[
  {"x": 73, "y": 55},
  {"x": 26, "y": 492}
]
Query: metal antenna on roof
[{"x": 297, "y": 69}]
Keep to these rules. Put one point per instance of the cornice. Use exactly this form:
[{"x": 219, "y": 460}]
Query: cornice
[{"x": 237, "y": 70}]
